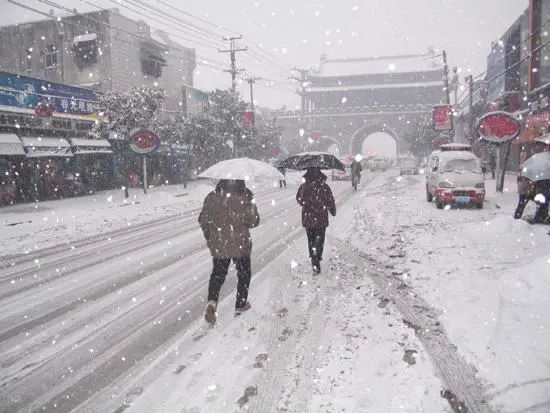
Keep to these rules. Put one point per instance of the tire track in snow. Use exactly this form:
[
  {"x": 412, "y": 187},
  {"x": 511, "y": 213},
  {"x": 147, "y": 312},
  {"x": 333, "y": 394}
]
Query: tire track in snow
[{"x": 463, "y": 389}]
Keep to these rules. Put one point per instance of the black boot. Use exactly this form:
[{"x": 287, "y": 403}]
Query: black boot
[{"x": 316, "y": 264}]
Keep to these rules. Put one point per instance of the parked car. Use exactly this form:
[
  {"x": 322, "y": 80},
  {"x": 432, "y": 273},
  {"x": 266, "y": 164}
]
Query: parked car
[
  {"x": 455, "y": 177},
  {"x": 378, "y": 164},
  {"x": 408, "y": 167}
]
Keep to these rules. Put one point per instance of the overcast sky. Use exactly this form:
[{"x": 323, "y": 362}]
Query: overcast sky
[{"x": 296, "y": 33}]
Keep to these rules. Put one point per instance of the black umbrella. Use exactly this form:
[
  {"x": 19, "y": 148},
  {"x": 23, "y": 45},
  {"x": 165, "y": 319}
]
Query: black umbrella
[{"x": 307, "y": 160}]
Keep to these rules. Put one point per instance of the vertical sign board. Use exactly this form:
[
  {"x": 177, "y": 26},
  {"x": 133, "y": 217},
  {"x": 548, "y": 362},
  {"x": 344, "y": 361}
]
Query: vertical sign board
[
  {"x": 144, "y": 141},
  {"x": 247, "y": 120},
  {"x": 442, "y": 117}
]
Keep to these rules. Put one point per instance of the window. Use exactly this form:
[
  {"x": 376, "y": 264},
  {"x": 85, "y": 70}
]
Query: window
[
  {"x": 50, "y": 56},
  {"x": 85, "y": 50},
  {"x": 151, "y": 63}
]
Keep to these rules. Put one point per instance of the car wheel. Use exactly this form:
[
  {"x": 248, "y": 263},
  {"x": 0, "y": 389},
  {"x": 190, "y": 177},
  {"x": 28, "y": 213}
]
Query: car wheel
[
  {"x": 439, "y": 204},
  {"x": 480, "y": 205}
]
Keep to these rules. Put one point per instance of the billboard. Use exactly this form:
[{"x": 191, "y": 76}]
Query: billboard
[
  {"x": 443, "y": 117},
  {"x": 194, "y": 100},
  {"x": 28, "y": 92}
]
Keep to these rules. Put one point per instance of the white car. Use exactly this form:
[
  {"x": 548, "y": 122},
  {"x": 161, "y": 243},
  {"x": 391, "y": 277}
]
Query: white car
[
  {"x": 378, "y": 164},
  {"x": 455, "y": 177}
]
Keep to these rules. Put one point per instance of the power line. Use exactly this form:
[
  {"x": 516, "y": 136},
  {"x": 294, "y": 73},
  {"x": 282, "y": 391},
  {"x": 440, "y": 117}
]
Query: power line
[{"x": 270, "y": 66}]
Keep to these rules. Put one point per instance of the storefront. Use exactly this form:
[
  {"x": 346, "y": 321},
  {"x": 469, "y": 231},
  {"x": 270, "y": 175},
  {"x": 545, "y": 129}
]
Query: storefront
[
  {"x": 93, "y": 163},
  {"x": 43, "y": 116},
  {"x": 12, "y": 157},
  {"x": 47, "y": 162}
]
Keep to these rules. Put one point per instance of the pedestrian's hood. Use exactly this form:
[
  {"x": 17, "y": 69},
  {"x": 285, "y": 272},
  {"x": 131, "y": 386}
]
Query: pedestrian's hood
[{"x": 461, "y": 178}]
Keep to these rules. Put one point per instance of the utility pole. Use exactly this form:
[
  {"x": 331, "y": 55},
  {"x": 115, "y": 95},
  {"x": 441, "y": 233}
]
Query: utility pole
[
  {"x": 232, "y": 51},
  {"x": 251, "y": 81},
  {"x": 470, "y": 80},
  {"x": 446, "y": 77},
  {"x": 302, "y": 92}
]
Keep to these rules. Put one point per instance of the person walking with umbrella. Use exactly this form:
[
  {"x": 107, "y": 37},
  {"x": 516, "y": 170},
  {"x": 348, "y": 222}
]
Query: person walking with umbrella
[
  {"x": 316, "y": 199},
  {"x": 228, "y": 214}
]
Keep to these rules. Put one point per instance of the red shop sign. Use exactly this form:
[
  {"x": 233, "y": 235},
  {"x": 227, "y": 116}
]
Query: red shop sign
[
  {"x": 443, "y": 117},
  {"x": 539, "y": 119},
  {"x": 43, "y": 110},
  {"x": 144, "y": 141},
  {"x": 498, "y": 127}
]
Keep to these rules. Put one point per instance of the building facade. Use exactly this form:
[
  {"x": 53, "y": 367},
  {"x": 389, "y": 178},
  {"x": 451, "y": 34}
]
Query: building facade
[{"x": 103, "y": 50}]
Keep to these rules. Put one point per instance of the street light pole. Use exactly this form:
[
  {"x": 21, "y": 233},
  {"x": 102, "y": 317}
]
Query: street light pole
[{"x": 251, "y": 81}]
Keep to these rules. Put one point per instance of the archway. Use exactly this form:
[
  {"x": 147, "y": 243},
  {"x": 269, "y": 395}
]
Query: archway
[{"x": 377, "y": 131}]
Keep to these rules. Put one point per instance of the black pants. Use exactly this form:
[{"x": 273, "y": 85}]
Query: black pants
[
  {"x": 316, "y": 242},
  {"x": 244, "y": 273},
  {"x": 282, "y": 182}
]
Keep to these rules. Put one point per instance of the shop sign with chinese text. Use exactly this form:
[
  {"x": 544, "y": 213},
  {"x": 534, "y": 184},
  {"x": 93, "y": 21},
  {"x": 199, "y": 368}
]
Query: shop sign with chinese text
[
  {"x": 26, "y": 92},
  {"x": 144, "y": 141},
  {"x": 443, "y": 117},
  {"x": 498, "y": 127}
]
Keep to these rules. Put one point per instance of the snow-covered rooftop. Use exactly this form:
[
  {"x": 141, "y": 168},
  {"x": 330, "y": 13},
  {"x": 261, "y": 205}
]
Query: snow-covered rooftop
[{"x": 379, "y": 64}]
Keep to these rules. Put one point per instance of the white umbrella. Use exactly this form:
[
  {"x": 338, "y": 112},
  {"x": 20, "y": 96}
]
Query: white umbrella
[
  {"x": 537, "y": 167},
  {"x": 242, "y": 168}
]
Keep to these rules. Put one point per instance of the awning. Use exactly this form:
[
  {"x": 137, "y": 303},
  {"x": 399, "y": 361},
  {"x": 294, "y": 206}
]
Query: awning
[
  {"x": 90, "y": 146},
  {"x": 10, "y": 145},
  {"x": 46, "y": 147}
]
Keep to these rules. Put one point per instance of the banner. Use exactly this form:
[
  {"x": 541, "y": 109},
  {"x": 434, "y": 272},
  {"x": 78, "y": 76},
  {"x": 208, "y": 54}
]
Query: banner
[
  {"x": 443, "y": 117},
  {"x": 316, "y": 136},
  {"x": 28, "y": 92},
  {"x": 247, "y": 120}
]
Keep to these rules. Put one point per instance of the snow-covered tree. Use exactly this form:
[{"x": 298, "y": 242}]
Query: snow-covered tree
[
  {"x": 421, "y": 138},
  {"x": 267, "y": 138},
  {"x": 124, "y": 112},
  {"x": 128, "y": 110}
]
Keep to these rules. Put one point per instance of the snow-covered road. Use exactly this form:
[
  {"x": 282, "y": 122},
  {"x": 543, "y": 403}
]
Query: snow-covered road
[
  {"x": 113, "y": 323},
  {"x": 75, "y": 318}
]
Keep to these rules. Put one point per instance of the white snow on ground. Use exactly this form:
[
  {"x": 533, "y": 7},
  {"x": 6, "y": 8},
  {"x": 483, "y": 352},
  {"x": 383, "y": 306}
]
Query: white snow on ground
[
  {"x": 486, "y": 274},
  {"x": 311, "y": 344},
  {"x": 344, "y": 341},
  {"x": 28, "y": 227}
]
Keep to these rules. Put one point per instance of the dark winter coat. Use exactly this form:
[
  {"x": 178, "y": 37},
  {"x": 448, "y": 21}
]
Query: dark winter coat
[
  {"x": 316, "y": 199},
  {"x": 356, "y": 168},
  {"x": 226, "y": 218}
]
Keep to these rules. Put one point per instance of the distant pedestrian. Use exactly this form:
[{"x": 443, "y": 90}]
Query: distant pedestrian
[
  {"x": 492, "y": 163},
  {"x": 228, "y": 214},
  {"x": 282, "y": 182},
  {"x": 316, "y": 199}
]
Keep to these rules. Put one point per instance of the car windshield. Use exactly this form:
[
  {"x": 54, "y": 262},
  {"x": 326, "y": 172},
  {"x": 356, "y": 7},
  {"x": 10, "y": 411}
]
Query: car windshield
[{"x": 461, "y": 165}]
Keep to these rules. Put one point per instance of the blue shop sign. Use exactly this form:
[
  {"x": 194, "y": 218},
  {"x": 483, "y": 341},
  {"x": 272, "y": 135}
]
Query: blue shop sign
[{"x": 27, "y": 92}]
